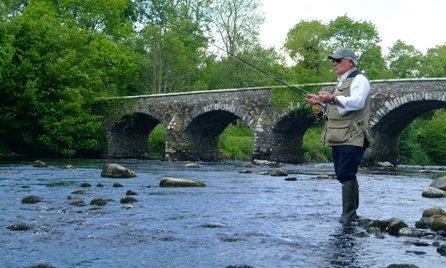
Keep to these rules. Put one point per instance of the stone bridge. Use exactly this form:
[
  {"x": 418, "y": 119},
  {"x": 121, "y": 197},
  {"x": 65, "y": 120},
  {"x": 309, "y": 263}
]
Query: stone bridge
[{"x": 278, "y": 118}]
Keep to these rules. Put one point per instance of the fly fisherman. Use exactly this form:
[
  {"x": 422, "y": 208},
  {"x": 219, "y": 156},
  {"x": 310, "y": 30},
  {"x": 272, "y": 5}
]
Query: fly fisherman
[{"x": 346, "y": 109}]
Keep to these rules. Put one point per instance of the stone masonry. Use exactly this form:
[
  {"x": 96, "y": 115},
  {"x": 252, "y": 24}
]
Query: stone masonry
[{"x": 194, "y": 120}]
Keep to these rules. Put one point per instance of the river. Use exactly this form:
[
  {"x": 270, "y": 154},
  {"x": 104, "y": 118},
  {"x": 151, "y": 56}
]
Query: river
[{"x": 237, "y": 219}]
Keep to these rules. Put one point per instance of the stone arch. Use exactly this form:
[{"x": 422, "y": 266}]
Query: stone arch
[
  {"x": 203, "y": 132},
  {"x": 389, "y": 121},
  {"x": 127, "y": 137},
  {"x": 287, "y": 136}
]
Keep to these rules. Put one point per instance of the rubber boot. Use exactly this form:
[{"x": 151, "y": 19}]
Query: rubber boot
[{"x": 350, "y": 201}]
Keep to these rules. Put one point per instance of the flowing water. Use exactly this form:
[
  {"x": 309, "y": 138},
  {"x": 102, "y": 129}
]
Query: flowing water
[{"x": 237, "y": 219}]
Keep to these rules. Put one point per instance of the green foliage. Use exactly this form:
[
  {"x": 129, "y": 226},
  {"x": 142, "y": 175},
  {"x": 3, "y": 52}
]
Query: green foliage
[
  {"x": 358, "y": 35},
  {"x": 314, "y": 150},
  {"x": 372, "y": 63},
  {"x": 236, "y": 142},
  {"x": 432, "y": 137},
  {"x": 404, "y": 60},
  {"x": 410, "y": 151},
  {"x": 423, "y": 141},
  {"x": 434, "y": 62},
  {"x": 233, "y": 73},
  {"x": 309, "y": 44},
  {"x": 56, "y": 71},
  {"x": 157, "y": 141}
]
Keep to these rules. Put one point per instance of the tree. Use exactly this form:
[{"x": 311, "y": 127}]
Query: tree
[
  {"x": 358, "y": 35},
  {"x": 236, "y": 23},
  {"x": 232, "y": 73},
  {"x": 56, "y": 71},
  {"x": 404, "y": 60},
  {"x": 434, "y": 62},
  {"x": 306, "y": 45},
  {"x": 174, "y": 36},
  {"x": 373, "y": 64},
  {"x": 432, "y": 137},
  {"x": 310, "y": 42}
]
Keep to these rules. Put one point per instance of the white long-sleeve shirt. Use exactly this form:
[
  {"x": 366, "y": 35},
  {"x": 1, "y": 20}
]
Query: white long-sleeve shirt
[{"x": 359, "y": 90}]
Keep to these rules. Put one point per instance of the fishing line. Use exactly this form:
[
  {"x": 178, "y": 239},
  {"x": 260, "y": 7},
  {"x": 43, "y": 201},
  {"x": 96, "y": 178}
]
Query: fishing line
[{"x": 297, "y": 89}]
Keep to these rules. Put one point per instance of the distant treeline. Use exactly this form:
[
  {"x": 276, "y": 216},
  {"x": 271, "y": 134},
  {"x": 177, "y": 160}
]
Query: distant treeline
[{"x": 58, "y": 56}]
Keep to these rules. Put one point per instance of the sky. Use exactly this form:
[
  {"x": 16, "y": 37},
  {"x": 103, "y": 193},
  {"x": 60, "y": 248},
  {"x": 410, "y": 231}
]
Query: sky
[{"x": 421, "y": 23}]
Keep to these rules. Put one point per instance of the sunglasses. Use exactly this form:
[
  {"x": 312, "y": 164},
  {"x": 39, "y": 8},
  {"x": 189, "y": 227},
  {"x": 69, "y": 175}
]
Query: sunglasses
[{"x": 337, "y": 60}]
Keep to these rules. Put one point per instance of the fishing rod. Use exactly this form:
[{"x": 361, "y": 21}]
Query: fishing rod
[{"x": 295, "y": 88}]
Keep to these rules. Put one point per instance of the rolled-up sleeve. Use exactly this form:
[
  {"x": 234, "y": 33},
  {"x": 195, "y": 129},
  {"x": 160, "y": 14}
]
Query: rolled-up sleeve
[{"x": 359, "y": 90}]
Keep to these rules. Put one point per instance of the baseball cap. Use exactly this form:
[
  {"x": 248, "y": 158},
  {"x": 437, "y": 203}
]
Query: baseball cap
[{"x": 343, "y": 52}]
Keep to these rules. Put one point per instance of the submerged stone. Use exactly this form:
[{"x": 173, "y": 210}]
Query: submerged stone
[
  {"x": 177, "y": 182},
  {"x": 31, "y": 199},
  {"x": 98, "y": 202},
  {"x": 128, "y": 199},
  {"x": 18, "y": 227}
]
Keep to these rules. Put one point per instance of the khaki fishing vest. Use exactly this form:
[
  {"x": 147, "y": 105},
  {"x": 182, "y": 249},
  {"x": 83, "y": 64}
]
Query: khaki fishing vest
[{"x": 351, "y": 128}]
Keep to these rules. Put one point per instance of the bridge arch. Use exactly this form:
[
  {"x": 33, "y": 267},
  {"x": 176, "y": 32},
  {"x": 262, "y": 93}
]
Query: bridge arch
[
  {"x": 393, "y": 117},
  {"x": 287, "y": 136},
  {"x": 203, "y": 133},
  {"x": 127, "y": 137}
]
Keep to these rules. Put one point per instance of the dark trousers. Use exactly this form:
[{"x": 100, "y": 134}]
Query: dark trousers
[{"x": 346, "y": 159}]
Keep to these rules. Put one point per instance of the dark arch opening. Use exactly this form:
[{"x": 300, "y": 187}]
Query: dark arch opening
[
  {"x": 387, "y": 131},
  {"x": 204, "y": 131},
  {"x": 287, "y": 142},
  {"x": 129, "y": 136}
]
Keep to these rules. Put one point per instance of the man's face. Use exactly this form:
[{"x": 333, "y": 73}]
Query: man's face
[{"x": 341, "y": 66}]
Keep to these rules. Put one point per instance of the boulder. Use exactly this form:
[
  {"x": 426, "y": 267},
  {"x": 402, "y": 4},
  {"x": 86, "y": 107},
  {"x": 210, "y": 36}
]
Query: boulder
[
  {"x": 395, "y": 226},
  {"x": 78, "y": 203},
  {"x": 193, "y": 165},
  {"x": 424, "y": 223},
  {"x": 439, "y": 223},
  {"x": 128, "y": 199},
  {"x": 442, "y": 250},
  {"x": 117, "y": 171},
  {"x": 410, "y": 231},
  {"x": 39, "y": 163},
  {"x": 98, "y": 202},
  {"x": 433, "y": 211},
  {"x": 19, "y": 227},
  {"x": 31, "y": 199},
  {"x": 385, "y": 164},
  {"x": 439, "y": 183},
  {"x": 432, "y": 192},
  {"x": 278, "y": 172},
  {"x": 178, "y": 182}
]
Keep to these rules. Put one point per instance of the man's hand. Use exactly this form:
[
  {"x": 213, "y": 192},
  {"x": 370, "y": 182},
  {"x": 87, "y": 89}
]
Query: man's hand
[
  {"x": 313, "y": 99},
  {"x": 325, "y": 97}
]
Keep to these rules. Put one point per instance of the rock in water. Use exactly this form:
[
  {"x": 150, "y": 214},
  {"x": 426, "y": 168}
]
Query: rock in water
[
  {"x": 117, "y": 171},
  {"x": 177, "y": 182},
  {"x": 439, "y": 183},
  {"x": 39, "y": 163}
]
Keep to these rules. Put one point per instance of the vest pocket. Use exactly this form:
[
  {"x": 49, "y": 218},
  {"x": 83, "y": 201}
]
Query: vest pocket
[{"x": 339, "y": 132}]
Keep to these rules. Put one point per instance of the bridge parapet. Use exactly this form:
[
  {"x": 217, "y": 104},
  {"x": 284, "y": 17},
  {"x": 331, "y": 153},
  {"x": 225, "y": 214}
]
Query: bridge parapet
[{"x": 194, "y": 120}]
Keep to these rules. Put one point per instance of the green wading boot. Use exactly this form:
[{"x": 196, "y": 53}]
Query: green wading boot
[{"x": 350, "y": 201}]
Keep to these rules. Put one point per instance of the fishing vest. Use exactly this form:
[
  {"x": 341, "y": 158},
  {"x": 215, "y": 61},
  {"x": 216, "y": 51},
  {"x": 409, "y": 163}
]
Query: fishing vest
[{"x": 351, "y": 128}]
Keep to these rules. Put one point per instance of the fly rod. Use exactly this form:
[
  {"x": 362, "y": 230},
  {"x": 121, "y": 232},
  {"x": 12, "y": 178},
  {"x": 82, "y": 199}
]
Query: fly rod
[{"x": 282, "y": 82}]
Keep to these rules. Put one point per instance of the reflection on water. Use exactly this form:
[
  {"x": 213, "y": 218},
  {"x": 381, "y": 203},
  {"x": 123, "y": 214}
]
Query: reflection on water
[
  {"x": 238, "y": 219},
  {"x": 343, "y": 248}
]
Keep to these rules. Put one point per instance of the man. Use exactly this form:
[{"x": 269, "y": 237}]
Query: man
[{"x": 346, "y": 111}]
